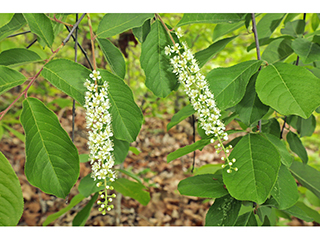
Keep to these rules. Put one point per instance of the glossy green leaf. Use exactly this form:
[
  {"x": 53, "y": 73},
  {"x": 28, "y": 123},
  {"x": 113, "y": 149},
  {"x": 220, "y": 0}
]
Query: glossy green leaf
[
  {"x": 67, "y": 76},
  {"x": 272, "y": 126},
  {"x": 16, "y": 22},
  {"x": 268, "y": 24},
  {"x": 308, "y": 51},
  {"x": 83, "y": 215},
  {"x": 305, "y": 127},
  {"x": 188, "y": 149},
  {"x": 126, "y": 115},
  {"x": 5, "y": 19},
  {"x": 11, "y": 200},
  {"x": 294, "y": 28},
  {"x": 286, "y": 157},
  {"x": 314, "y": 21},
  {"x": 247, "y": 219},
  {"x": 113, "y": 56},
  {"x": 52, "y": 160},
  {"x": 289, "y": 89},
  {"x": 156, "y": 65},
  {"x": 208, "y": 168},
  {"x": 121, "y": 149},
  {"x": 114, "y": 23},
  {"x": 18, "y": 56},
  {"x": 309, "y": 211},
  {"x": 258, "y": 162},
  {"x": 204, "y": 186},
  {"x": 41, "y": 25},
  {"x": 191, "y": 18},
  {"x": 298, "y": 213},
  {"x": 223, "y": 212},
  {"x": 285, "y": 190},
  {"x": 142, "y": 32},
  {"x": 250, "y": 108},
  {"x": 74, "y": 201},
  {"x": 205, "y": 55},
  {"x": 10, "y": 78},
  {"x": 277, "y": 50},
  {"x": 185, "y": 112},
  {"x": 229, "y": 84},
  {"x": 223, "y": 29},
  {"x": 297, "y": 147},
  {"x": 87, "y": 186},
  {"x": 307, "y": 176},
  {"x": 84, "y": 158},
  {"x": 132, "y": 189}
]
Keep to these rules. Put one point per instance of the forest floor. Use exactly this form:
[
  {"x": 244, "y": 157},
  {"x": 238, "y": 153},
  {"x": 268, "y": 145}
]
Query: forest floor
[{"x": 167, "y": 206}]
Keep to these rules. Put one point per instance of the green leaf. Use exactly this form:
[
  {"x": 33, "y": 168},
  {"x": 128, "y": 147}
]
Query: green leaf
[
  {"x": 16, "y": 22},
  {"x": 258, "y": 162},
  {"x": 74, "y": 201},
  {"x": 134, "y": 150},
  {"x": 314, "y": 21},
  {"x": 308, "y": 51},
  {"x": 305, "y": 127},
  {"x": 126, "y": 115},
  {"x": 289, "y": 89},
  {"x": 121, "y": 149},
  {"x": 132, "y": 189},
  {"x": 87, "y": 186},
  {"x": 246, "y": 219},
  {"x": 294, "y": 28},
  {"x": 142, "y": 32},
  {"x": 113, "y": 56},
  {"x": 5, "y": 19},
  {"x": 130, "y": 174},
  {"x": 205, "y": 55},
  {"x": 285, "y": 190},
  {"x": 67, "y": 76},
  {"x": 114, "y": 23},
  {"x": 250, "y": 108},
  {"x": 297, "y": 147},
  {"x": 223, "y": 212},
  {"x": 10, "y": 78},
  {"x": 298, "y": 213},
  {"x": 204, "y": 186},
  {"x": 208, "y": 168},
  {"x": 309, "y": 211},
  {"x": 229, "y": 84},
  {"x": 223, "y": 29},
  {"x": 188, "y": 149},
  {"x": 18, "y": 56},
  {"x": 286, "y": 157},
  {"x": 84, "y": 158},
  {"x": 272, "y": 126},
  {"x": 156, "y": 65},
  {"x": 277, "y": 50},
  {"x": 191, "y": 18},
  {"x": 83, "y": 215},
  {"x": 307, "y": 176},
  {"x": 268, "y": 24},
  {"x": 185, "y": 112},
  {"x": 11, "y": 200},
  {"x": 52, "y": 160},
  {"x": 41, "y": 25}
]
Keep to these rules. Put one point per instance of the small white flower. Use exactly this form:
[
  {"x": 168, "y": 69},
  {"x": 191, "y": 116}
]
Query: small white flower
[{"x": 179, "y": 32}]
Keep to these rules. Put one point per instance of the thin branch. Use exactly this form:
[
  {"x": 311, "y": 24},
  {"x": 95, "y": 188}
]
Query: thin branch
[
  {"x": 165, "y": 26},
  {"x": 58, "y": 21},
  {"x": 81, "y": 48},
  {"x": 17, "y": 34},
  {"x": 256, "y": 38},
  {"x": 33, "y": 42},
  {"x": 194, "y": 140},
  {"x": 73, "y": 29},
  {"x": 92, "y": 43}
]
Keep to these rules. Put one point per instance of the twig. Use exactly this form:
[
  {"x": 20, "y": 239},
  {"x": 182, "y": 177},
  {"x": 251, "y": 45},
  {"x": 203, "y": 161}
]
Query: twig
[
  {"x": 24, "y": 92},
  {"x": 33, "y": 42},
  {"x": 165, "y": 26},
  {"x": 254, "y": 29},
  {"x": 92, "y": 43},
  {"x": 17, "y": 34},
  {"x": 59, "y": 21},
  {"x": 81, "y": 48},
  {"x": 194, "y": 140}
]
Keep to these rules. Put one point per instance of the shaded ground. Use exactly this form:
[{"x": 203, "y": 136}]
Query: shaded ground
[{"x": 166, "y": 207}]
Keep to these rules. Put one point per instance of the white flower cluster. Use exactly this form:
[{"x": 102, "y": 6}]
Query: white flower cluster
[
  {"x": 100, "y": 144},
  {"x": 185, "y": 66}
]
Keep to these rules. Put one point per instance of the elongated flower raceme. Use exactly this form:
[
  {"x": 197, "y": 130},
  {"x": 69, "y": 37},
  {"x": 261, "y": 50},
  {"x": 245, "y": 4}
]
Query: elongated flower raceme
[
  {"x": 100, "y": 144},
  {"x": 185, "y": 66}
]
